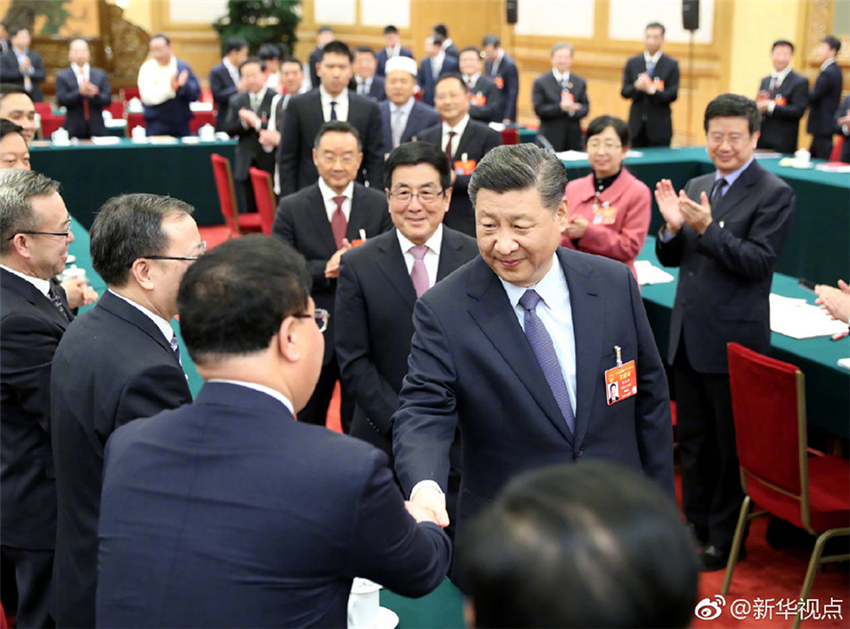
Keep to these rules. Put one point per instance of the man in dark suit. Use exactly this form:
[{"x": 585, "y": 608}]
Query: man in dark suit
[
  {"x": 486, "y": 98},
  {"x": 366, "y": 82},
  {"x": 167, "y": 86},
  {"x": 224, "y": 77},
  {"x": 321, "y": 222},
  {"x": 842, "y": 127},
  {"x": 392, "y": 48},
  {"x": 724, "y": 231},
  {"x": 465, "y": 142},
  {"x": 516, "y": 347},
  {"x": 446, "y": 43},
  {"x": 651, "y": 81},
  {"x": 560, "y": 101},
  {"x": 824, "y": 98},
  {"x": 84, "y": 91},
  {"x": 227, "y": 512},
  {"x": 251, "y": 117},
  {"x": 380, "y": 281},
  {"x": 34, "y": 314},
  {"x": 503, "y": 71},
  {"x": 22, "y": 66},
  {"x": 118, "y": 362},
  {"x": 435, "y": 64},
  {"x": 324, "y": 35},
  {"x": 782, "y": 100},
  {"x": 331, "y": 101},
  {"x": 403, "y": 117}
]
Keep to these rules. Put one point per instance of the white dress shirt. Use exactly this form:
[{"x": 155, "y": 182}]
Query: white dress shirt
[
  {"x": 471, "y": 81},
  {"x": 363, "y": 85},
  {"x": 398, "y": 119},
  {"x": 328, "y": 197},
  {"x": 43, "y": 286},
  {"x": 163, "y": 325},
  {"x": 82, "y": 73},
  {"x": 494, "y": 69},
  {"x": 232, "y": 70},
  {"x": 155, "y": 81},
  {"x": 437, "y": 63},
  {"x": 341, "y": 104},
  {"x": 565, "y": 77},
  {"x": 776, "y": 78},
  {"x": 458, "y": 129},
  {"x": 395, "y": 51},
  {"x": 280, "y": 397},
  {"x": 652, "y": 58},
  {"x": 432, "y": 256}
]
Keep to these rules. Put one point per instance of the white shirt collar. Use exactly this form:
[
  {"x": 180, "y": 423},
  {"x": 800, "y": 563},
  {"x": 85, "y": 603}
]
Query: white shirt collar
[
  {"x": 395, "y": 51},
  {"x": 780, "y": 76},
  {"x": 43, "y": 286},
  {"x": 328, "y": 194},
  {"x": 549, "y": 288},
  {"x": 438, "y": 59},
  {"x": 232, "y": 69},
  {"x": 361, "y": 81},
  {"x": 259, "y": 96},
  {"x": 654, "y": 58},
  {"x": 732, "y": 177},
  {"x": 433, "y": 243},
  {"x": 327, "y": 98},
  {"x": 85, "y": 69},
  {"x": 405, "y": 109},
  {"x": 446, "y": 44},
  {"x": 459, "y": 128},
  {"x": 474, "y": 78},
  {"x": 280, "y": 397},
  {"x": 163, "y": 325},
  {"x": 827, "y": 63},
  {"x": 561, "y": 77}
]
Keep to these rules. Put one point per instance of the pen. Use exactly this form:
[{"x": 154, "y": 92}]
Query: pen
[{"x": 840, "y": 335}]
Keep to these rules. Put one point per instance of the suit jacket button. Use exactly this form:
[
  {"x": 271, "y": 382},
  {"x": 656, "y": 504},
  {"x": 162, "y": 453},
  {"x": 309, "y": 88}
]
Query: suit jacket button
[{"x": 579, "y": 453}]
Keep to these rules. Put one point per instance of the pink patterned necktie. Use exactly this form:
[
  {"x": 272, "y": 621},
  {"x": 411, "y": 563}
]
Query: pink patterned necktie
[
  {"x": 418, "y": 274},
  {"x": 339, "y": 224}
]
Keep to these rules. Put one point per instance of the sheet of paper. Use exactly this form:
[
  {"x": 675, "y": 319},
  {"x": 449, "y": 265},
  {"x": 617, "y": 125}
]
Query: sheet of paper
[
  {"x": 845, "y": 363},
  {"x": 647, "y": 273},
  {"x": 105, "y": 140},
  {"x": 801, "y": 320},
  {"x": 571, "y": 156}
]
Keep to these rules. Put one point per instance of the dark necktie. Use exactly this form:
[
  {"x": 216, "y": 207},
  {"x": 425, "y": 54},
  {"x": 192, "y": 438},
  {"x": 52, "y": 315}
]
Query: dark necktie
[
  {"x": 56, "y": 300},
  {"x": 176, "y": 349},
  {"x": 563, "y": 85},
  {"x": 650, "y": 67},
  {"x": 339, "y": 224},
  {"x": 449, "y": 148},
  {"x": 717, "y": 192},
  {"x": 772, "y": 89},
  {"x": 333, "y": 110},
  {"x": 419, "y": 274},
  {"x": 544, "y": 350}
]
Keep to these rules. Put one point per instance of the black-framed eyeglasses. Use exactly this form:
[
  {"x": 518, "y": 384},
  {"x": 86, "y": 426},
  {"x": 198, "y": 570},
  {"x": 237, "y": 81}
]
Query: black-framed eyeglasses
[
  {"x": 424, "y": 196},
  {"x": 35, "y": 233},
  {"x": 320, "y": 315},
  {"x": 189, "y": 258}
]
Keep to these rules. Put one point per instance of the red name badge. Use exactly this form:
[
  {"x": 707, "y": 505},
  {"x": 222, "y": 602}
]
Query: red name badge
[
  {"x": 464, "y": 167},
  {"x": 478, "y": 100},
  {"x": 620, "y": 382},
  {"x": 779, "y": 99},
  {"x": 659, "y": 84},
  {"x": 567, "y": 98},
  {"x": 500, "y": 82}
]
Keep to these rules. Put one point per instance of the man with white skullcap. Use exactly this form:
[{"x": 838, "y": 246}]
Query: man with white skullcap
[{"x": 403, "y": 116}]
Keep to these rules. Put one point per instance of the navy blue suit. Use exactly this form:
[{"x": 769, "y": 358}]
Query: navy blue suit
[
  {"x": 377, "y": 91},
  {"x": 427, "y": 82},
  {"x": 421, "y": 117},
  {"x": 172, "y": 117},
  {"x": 506, "y": 74},
  {"x": 223, "y": 89},
  {"x": 68, "y": 96},
  {"x": 472, "y": 366},
  {"x": 11, "y": 72},
  {"x": 229, "y": 513},
  {"x": 556, "y": 125},
  {"x": 382, "y": 58},
  {"x": 824, "y": 99}
]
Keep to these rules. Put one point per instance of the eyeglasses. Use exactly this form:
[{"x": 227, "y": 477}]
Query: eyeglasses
[
  {"x": 320, "y": 315},
  {"x": 63, "y": 234},
  {"x": 330, "y": 160},
  {"x": 608, "y": 146},
  {"x": 189, "y": 258},
  {"x": 426, "y": 196},
  {"x": 734, "y": 139}
]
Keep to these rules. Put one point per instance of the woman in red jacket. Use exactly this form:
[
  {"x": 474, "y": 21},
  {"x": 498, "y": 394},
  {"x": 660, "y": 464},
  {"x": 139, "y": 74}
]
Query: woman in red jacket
[{"x": 610, "y": 208}]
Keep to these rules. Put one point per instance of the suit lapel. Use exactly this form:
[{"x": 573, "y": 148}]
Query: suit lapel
[
  {"x": 35, "y": 297},
  {"x": 466, "y": 140},
  {"x": 390, "y": 262},
  {"x": 450, "y": 254},
  {"x": 315, "y": 208},
  {"x": 736, "y": 194},
  {"x": 492, "y": 311},
  {"x": 118, "y": 307}
]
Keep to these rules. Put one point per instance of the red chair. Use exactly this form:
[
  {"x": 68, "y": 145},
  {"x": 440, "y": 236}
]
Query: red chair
[
  {"x": 265, "y": 197},
  {"x": 134, "y": 120},
  {"x": 777, "y": 473},
  {"x": 200, "y": 119},
  {"x": 117, "y": 108},
  {"x": 510, "y": 136},
  {"x": 835, "y": 156},
  {"x": 236, "y": 223},
  {"x": 206, "y": 95},
  {"x": 129, "y": 93},
  {"x": 43, "y": 109},
  {"x": 49, "y": 124}
]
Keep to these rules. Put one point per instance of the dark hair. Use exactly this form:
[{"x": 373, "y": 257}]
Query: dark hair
[
  {"x": 413, "y": 153},
  {"x": 337, "y": 126},
  {"x": 833, "y": 42},
  {"x": 336, "y": 47},
  {"x": 783, "y": 42},
  {"x": 268, "y": 52},
  {"x": 11, "y": 88},
  {"x": 656, "y": 25},
  {"x": 599, "y": 124},
  {"x": 73, "y": 39},
  {"x": 256, "y": 60},
  {"x": 324, "y": 29},
  {"x": 17, "y": 188},
  {"x": 733, "y": 105},
  {"x": 590, "y": 545},
  {"x": 519, "y": 167},
  {"x": 233, "y": 300},
  {"x": 390, "y": 30},
  {"x": 474, "y": 49},
  {"x": 7, "y": 127},
  {"x": 17, "y": 29},
  {"x": 160, "y": 36},
  {"x": 448, "y": 76},
  {"x": 290, "y": 59},
  {"x": 129, "y": 227},
  {"x": 364, "y": 49},
  {"x": 441, "y": 30},
  {"x": 437, "y": 39},
  {"x": 233, "y": 43},
  {"x": 491, "y": 40}
]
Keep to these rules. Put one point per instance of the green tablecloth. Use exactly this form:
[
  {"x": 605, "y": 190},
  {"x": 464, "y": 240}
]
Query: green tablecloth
[{"x": 92, "y": 174}]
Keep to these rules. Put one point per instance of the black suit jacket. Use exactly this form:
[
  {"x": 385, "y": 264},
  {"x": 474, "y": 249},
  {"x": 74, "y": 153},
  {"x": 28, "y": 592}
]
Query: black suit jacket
[
  {"x": 844, "y": 131},
  {"x": 780, "y": 129},
  {"x": 506, "y": 73},
  {"x": 30, "y": 330},
  {"x": 315, "y": 58},
  {"x": 68, "y": 96},
  {"x": 421, "y": 117},
  {"x": 112, "y": 366},
  {"x": 249, "y": 151},
  {"x": 375, "y": 298},
  {"x": 471, "y": 365},
  {"x": 11, "y": 72},
  {"x": 377, "y": 90},
  {"x": 223, "y": 89},
  {"x": 725, "y": 274},
  {"x": 476, "y": 140},
  {"x": 557, "y": 126},
  {"x": 427, "y": 82},
  {"x": 381, "y": 56},
  {"x": 652, "y": 111},
  {"x": 301, "y": 122},
  {"x": 823, "y": 101},
  {"x": 491, "y": 110},
  {"x": 302, "y": 221},
  {"x": 228, "y": 512}
]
